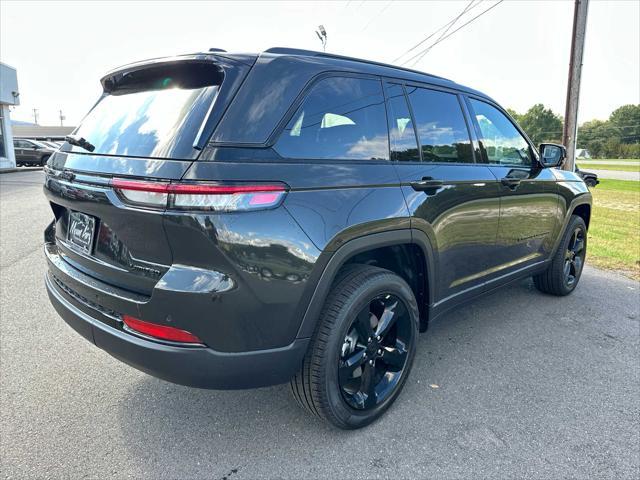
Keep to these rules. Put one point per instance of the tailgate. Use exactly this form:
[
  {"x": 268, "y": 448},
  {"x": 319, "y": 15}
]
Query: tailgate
[{"x": 123, "y": 246}]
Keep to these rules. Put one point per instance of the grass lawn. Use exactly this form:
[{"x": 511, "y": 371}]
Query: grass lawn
[
  {"x": 632, "y": 160},
  {"x": 600, "y": 166},
  {"x": 614, "y": 231}
]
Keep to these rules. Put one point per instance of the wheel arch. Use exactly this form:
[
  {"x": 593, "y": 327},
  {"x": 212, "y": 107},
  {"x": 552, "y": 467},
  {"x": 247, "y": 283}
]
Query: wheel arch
[
  {"x": 583, "y": 210},
  {"x": 405, "y": 252},
  {"x": 580, "y": 205}
]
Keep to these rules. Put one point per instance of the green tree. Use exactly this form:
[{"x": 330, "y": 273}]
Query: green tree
[
  {"x": 541, "y": 124},
  {"x": 625, "y": 124},
  {"x": 595, "y": 136},
  {"x": 515, "y": 115}
]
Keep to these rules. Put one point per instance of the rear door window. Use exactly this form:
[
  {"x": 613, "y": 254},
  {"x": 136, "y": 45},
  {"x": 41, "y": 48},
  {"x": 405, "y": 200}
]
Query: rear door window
[
  {"x": 156, "y": 112},
  {"x": 442, "y": 130},
  {"x": 404, "y": 145},
  {"x": 341, "y": 118}
]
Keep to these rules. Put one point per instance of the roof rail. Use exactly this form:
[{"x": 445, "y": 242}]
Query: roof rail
[
  {"x": 216, "y": 50},
  {"x": 312, "y": 53}
]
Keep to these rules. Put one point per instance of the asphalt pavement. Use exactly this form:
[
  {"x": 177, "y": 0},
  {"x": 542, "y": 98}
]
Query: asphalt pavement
[{"x": 515, "y": 385}]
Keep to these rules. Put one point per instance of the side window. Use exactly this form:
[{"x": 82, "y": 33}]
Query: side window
[
  {"x": 501, "y": 139},
  {"x": 341, "y": 118},
  {"x": 442, "y": 131},
  {"x": 404, "y": 146}
]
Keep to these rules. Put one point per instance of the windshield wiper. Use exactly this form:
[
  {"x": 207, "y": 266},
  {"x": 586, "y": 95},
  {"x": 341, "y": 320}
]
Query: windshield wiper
[{"x": 78, "y": 141}]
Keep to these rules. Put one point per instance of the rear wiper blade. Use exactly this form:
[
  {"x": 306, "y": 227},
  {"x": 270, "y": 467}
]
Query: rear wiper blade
[{"x": 78, "y": 141}]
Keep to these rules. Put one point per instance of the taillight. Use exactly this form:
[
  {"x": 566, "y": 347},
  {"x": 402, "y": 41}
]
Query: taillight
[
  {"x": 201, "y": 196},
  {"x": 161, "y": 332}
]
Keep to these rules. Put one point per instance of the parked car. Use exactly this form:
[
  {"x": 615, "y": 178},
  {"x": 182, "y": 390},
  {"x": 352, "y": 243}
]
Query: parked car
[
  {"x": 590, "y": 178},
  {"x": 31, "y": 152},
  {"x": 51, "y": 144},
  {"x": 232, "y": 221}
]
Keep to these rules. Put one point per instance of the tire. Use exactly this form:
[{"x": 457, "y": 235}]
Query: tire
[
  {"x": 563, "y": 274},
  {"x": 43, "y": 160},
  {"x": 590, "y": 182},
  {"x": 329, "y": 384}
]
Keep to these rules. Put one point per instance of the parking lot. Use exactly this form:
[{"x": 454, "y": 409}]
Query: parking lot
[{"x": 515, "y": 385}]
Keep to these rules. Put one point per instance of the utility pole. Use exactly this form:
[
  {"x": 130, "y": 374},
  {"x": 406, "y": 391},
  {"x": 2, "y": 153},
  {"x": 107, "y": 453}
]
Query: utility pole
[
  {"x": 35, "y": 116},
  {"x": 62, "y": 118},
  {"x": 570, "y": 129}
]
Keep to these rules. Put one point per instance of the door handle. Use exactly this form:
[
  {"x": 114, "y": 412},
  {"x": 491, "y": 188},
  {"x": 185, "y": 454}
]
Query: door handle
[
  {"x": 427, "y": 184},
  {"x": 512, "y": 183}
]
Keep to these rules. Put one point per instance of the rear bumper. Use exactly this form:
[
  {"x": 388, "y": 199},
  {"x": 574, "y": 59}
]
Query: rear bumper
[{"x": 200, "y": 367}]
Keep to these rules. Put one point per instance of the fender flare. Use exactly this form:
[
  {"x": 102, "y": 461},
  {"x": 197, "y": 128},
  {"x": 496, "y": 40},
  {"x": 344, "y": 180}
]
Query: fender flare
[
  {"x": 584, "y": 199},
  {"x": 361, "y": 244}
]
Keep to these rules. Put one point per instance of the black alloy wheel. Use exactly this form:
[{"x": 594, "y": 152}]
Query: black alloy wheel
[
  {"x": 563, "y": 273},
  {"x": 374, "y": 352},
  {"x": 361, "y": 353},
  {"x": 574, "y": 256}
]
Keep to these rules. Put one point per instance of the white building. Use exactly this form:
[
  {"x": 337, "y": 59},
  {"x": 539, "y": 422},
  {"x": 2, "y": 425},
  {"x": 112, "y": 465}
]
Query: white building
[{"x": 9, "y": 95}]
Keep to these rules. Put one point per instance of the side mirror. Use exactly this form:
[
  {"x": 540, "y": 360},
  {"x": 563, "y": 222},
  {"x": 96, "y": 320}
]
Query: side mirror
[{"x": 552, "y": 155}]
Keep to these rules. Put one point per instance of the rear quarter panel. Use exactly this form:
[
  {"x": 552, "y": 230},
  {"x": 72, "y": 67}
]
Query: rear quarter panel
[{"x": 292, "y": 243}]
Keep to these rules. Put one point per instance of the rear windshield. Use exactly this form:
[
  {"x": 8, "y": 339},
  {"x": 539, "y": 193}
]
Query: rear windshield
[{"x": 156, "y": 112}]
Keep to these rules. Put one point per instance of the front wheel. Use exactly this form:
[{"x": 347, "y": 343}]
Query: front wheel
[
  {"x": 590, "y": 182},
  {"x": 363, "y": 348},
  {"x": 563, "y": 274},
  {"x": 43, "y": 160}
]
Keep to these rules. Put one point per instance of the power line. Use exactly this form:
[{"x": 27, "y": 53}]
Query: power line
[
  {"x": 376, "y": 15},
  {"x": 437, "y": 31},
  {"x": 426, "y": 50},
  {"x": 454, "y": 21}
]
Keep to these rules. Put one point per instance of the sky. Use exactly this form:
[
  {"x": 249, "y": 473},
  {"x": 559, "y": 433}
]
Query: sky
[{"x": 518, "y": 53}]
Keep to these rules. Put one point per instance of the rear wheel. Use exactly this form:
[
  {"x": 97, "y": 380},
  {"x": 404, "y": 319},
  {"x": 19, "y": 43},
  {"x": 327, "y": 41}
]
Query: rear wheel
[
  {"x": 362, "y": 350},
  {"x": 43, "y": 160},
  {"x": 562, "y": 276}
]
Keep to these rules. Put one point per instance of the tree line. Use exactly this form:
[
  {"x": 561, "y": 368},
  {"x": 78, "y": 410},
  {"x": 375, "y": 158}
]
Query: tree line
[{"x": 616, "y": 137}]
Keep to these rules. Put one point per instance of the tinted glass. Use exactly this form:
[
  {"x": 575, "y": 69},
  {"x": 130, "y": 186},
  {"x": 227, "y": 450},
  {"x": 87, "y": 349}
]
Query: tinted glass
[
  {"x": 154, "y": 113},
  {"x": 404, "y": 146},
  {"x": 501, "y": 139},
  {"x": 442, "y": 130},
  {"x": 341, "y": 118}
]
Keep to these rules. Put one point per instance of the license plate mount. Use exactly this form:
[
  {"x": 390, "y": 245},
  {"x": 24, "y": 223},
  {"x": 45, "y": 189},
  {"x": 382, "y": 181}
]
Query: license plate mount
[{"x": 81, "y": 231}]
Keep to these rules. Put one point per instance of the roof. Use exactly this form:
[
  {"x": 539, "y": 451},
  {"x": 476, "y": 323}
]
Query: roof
[
  {"x": 370, "y": 66},
  {"x": 272, "y": 80}
]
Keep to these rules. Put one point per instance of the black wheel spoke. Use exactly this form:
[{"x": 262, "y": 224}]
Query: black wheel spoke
[
  {"x": 368, "y": 387},
  {"x": 578, "y": 246},
  {"x": 350, "y": 365},
  {"x": 577, "y": 265},
  {"x": 387, "y": 320},
  {"x": 572, "y": 242},
  {"x": 394, "y": 356},
  {"x": 567, "y": 268},
  {"x": 363, "y": 325}
]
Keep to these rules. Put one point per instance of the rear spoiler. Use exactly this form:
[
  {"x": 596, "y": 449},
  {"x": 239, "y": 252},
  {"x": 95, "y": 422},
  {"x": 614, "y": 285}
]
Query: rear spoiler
[{"x": 232, "y": 70}]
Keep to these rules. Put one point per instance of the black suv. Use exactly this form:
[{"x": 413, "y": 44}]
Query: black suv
[{"x": 232, "y": 221}]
